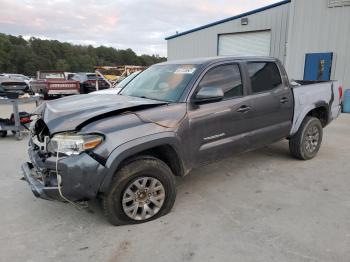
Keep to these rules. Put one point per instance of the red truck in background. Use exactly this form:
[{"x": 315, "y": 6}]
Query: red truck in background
[{"x": 53, "y": 83}]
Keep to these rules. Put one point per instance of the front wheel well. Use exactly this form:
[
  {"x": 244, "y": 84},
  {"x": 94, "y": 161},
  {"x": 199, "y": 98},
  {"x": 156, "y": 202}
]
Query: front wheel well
[
  {"x": 321, "y": 113},
  {"x": 166, "y": 153}
]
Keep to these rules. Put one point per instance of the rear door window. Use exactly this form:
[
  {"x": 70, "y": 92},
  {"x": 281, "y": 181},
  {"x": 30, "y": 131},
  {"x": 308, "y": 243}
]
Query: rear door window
[
  {"x": 264, "y": 76},
  {"x": 226, "y": 77}
]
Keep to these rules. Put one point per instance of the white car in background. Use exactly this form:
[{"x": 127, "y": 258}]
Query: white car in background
[
  {"x": 20, "y": 77},
  {"x": 119, "y": 87}
]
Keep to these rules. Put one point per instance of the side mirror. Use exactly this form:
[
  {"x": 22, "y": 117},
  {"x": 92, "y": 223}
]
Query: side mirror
[{"x": 209, "y": 94}]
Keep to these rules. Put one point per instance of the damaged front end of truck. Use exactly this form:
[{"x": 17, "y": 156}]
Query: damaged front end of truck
[{"x": 64, "y": 163}]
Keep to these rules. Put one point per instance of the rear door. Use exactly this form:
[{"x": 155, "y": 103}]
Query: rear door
[
  {"x": 272, "y": 103},
  {"x": 218, "y": 128}
]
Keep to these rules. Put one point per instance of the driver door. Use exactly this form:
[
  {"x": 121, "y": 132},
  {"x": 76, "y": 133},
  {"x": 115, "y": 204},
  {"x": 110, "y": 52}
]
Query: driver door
[{"x": 218, "y": 128}]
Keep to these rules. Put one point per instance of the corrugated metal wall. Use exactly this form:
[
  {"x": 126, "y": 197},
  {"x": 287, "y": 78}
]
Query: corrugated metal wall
[
  {"x": 203, "y": 43},
  {"x": 314, "y": 27}
]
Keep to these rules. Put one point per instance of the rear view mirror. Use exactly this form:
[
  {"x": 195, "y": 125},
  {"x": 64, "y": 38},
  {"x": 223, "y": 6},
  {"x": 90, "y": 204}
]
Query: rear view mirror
[{"x": 209, "y": 94}]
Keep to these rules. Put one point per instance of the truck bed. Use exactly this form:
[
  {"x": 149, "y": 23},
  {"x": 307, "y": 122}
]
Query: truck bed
[{"x": 313, "y": 94}]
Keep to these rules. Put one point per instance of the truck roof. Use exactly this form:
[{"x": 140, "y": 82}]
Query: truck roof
[{"x": 208, "y": 60}]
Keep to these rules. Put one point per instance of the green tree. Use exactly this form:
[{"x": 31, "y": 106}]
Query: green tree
[
  {"x": 18, "y": 55},
  {"x": 61, "y": 64}
]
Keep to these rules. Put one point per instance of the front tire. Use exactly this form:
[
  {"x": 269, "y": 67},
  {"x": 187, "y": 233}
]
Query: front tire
[
  {"x": 141, "y": 191},
  {"x": 306, "y": 143}
]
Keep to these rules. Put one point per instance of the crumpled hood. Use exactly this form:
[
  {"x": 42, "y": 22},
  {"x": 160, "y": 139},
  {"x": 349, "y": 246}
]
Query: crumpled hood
[{"x": 66, "y": 114}]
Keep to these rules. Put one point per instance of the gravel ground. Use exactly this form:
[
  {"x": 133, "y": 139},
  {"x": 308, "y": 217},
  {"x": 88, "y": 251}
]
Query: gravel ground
[{"x": 259, "y": 206}]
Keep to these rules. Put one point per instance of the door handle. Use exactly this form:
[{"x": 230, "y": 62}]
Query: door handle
[
  {"x": 284, "y": 100},
  {"x": 244, "y": 109}
]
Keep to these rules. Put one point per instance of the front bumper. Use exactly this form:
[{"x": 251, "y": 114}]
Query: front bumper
[
  {"x": 81, "y": 176},
  {"x": 37, "y": 186}
]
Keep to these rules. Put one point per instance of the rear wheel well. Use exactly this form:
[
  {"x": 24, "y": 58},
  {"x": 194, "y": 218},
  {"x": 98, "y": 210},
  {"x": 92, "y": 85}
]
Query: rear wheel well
[
  {"x": 321, "y": 113},
  {"x": 166, "y": 153}
]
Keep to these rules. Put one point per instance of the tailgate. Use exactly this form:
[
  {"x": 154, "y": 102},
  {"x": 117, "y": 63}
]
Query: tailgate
[{"x": 63, "y": 88}]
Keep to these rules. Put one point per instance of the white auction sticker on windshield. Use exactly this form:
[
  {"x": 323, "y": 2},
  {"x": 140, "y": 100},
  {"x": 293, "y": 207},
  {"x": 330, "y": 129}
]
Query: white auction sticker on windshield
[{"x": 185, "y": 70}]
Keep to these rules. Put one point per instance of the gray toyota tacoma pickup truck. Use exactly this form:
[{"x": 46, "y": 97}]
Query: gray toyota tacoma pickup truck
[{"x": 126, "y": 149}]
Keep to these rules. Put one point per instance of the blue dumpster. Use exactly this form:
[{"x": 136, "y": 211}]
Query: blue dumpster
[{"x": 346, "y": 102}]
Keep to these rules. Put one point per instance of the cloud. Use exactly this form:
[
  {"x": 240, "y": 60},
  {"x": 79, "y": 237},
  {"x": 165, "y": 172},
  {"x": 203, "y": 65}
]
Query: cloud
[{"x": 138, "y": 24}]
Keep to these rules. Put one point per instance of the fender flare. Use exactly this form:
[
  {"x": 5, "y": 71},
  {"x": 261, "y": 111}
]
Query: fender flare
[
  {"x": 306, "y": 111},
  {"x": 136, "y": 146}
]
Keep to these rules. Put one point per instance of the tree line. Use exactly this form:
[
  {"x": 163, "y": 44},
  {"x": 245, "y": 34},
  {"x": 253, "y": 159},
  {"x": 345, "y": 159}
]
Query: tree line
[{"x": 18, "y": 55}]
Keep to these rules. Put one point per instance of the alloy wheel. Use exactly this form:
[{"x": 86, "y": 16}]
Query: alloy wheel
[
  {"x": 312, "y": 139},
  {"x": 143, "y": 198}
]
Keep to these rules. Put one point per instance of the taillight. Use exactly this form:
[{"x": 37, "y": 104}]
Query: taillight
[{"x": 340, "y": 90}]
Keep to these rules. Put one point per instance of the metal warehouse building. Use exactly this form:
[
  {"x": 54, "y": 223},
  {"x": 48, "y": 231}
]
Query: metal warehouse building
[{"x": 311, "y": 38}]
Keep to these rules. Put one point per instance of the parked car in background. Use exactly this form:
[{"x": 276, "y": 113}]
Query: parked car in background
[
  {"x": 127, "y": 149},
  {"x": 87, "y": 82},
  {"x": 20, "y": 77},
  {"x": 54, "y": 83},
  {"x": 13, "y": 84},
  {"x": 9, "y": 94},
  {"x": 119, "y": 86}
]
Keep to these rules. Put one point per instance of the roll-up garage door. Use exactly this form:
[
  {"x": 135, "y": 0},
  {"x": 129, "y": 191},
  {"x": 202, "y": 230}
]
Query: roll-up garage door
[{"x": 243, "y": 44}]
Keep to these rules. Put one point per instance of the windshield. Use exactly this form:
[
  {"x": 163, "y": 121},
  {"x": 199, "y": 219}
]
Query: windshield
[
  {"x": 161, "y": 82},
  {"x": 127, "y": 80},
  {"x": 51, "y": 75},
  {"x": 19, "y": 76}
]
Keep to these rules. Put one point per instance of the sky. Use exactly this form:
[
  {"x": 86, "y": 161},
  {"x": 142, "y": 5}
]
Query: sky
[{"x": 140, "y": 25}]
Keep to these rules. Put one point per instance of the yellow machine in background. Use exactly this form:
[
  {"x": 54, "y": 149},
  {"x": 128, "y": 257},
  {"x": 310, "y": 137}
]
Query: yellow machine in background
[{"x": 114, "y": 74}]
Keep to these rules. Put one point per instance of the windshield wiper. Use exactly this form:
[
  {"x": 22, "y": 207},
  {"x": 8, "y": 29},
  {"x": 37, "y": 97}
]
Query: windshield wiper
[
  {"x": 145, "y": 97},
  {"x": 150, "y": 98}
]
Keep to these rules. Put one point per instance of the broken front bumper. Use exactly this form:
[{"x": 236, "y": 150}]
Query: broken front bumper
[
  {"x": 37, "y": 186},
  {"x": 81, "y": 176}
]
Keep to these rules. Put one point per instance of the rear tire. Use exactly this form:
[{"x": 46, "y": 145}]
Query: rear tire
[
  {"x": 152, "y": 197},
  {"x": 306, "y": 143}
]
